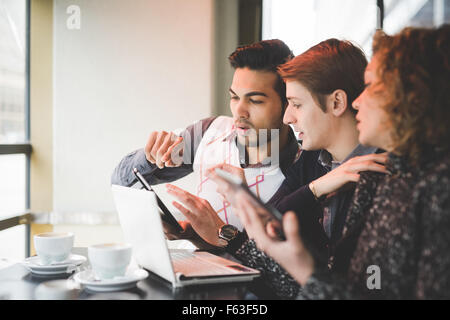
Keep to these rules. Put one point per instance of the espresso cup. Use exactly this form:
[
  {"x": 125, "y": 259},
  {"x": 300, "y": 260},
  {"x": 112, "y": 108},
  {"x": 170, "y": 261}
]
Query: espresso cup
[
  {"x": 109, "y": 260},
  {"x": 53, "y": 246}
]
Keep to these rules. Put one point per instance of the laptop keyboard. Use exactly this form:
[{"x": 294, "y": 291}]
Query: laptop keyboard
[{"x": 201, "y": 264}]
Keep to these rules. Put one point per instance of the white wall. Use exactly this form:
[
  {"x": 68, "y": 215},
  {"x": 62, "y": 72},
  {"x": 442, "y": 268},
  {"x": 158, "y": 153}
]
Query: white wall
[{"x": 132, "y": 67}]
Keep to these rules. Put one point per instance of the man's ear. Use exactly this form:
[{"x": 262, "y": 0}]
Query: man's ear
[{"x": 337, "y": 102}]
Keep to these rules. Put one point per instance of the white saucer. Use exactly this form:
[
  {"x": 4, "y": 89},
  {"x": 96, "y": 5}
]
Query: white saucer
[
  {"x": 34, "y": 265},
  {"x": 88, "y": 279}
]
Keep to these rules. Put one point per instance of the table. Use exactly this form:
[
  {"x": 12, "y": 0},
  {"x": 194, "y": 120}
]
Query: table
[{"x": 18, "y": 283}]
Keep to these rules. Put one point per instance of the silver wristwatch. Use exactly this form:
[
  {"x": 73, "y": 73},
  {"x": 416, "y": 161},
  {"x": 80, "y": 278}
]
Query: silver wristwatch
[{"x": 228, "y": 232}]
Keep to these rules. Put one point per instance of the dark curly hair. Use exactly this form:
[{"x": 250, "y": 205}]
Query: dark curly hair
[
  {"x": 414, "y": 65},
  {"x": 264, "y": 55}
]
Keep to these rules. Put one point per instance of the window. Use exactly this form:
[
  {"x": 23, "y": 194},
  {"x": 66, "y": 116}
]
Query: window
[
  {"x": 416, "y": 13},
  {"x": 15, "y": 148},
  {"x": 302, "y": 24}
]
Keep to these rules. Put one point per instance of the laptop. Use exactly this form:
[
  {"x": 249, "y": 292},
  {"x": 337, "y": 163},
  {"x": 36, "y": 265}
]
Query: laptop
[{"x": 142, "y": 228}]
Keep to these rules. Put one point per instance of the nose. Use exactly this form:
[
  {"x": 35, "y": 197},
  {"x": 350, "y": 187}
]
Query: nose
[
  {"x": 357, "y": 102},
  {"x": 289, "y": 117},
  {"x": 241, "y": 110}
]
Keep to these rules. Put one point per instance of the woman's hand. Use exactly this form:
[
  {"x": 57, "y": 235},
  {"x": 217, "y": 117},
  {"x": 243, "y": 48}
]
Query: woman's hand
[
  {"x": 348, "y": 172},
  {"x": 290, "y": 253},
  {"x": 237, "y": 171},
  {"x": 202, "y": 217}
]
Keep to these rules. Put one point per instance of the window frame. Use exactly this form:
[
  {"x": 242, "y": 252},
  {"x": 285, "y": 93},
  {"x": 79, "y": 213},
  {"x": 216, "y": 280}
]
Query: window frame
[{"x": 24, "y": 147}]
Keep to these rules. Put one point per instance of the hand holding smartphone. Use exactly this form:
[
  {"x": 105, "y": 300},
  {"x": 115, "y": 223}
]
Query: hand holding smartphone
[
  {"x": 313, "y": 236},
  {"x": 236, "y": 184}
]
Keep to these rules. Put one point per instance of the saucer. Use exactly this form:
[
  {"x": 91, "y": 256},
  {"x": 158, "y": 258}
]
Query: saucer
[
  {"x": 34, "y": 265},
  {"x": 88, "y": 279}
]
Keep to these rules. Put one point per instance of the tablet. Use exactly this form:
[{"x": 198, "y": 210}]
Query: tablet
[{"x": 166, "y": 215}]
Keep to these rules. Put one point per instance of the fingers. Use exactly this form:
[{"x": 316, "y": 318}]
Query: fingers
[
  {"x": 228, "y": 168},
  {"x": 221, "y": 182},
  {"x": 370, "y": 162},
  {"x": 169, "y": 231},
  {"x": 158, "y": 142},
  {"x": 211, "y": 171},
  {"x": 380, "y": 158},
  {"x": 161, "y": 151},
  {"x": 160, "y": 146},
  {"x": 252, "y": 219},
  {"x": 367, "y": 165},
  {"x": 186, "y": 225},
  {"x": 173, "y": 234},
  {"x": 223, "y": 166},
  {"x": 273, "y": 229},
  {"x": 291, "y": 228},
  {"x": 194, "y": 204},
  {"x": 186, "y": 212},
  {"x": 242, "y": 213},
  {"x": 148, "y": 147},
  {"x": 223, "y": 188},
  {"x": 185, "y": 197},
  {"x": 178, "y": 192},
  {"x": 174, "y": 155}
]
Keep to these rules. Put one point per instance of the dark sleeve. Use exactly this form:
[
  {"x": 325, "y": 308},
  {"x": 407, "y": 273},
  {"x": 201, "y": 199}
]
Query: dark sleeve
[
  {"x": 338, "y": 285},
  {"x": 124, "y": 176},
  {"x": 272, "y": 274},
  {"x": 274, "y": 277},
  {"x": 294, "y": 193},
  {"x": 323, "y": 285},
  {"x": 433, "y": 260},
  {"x": 433, "y": 277}
]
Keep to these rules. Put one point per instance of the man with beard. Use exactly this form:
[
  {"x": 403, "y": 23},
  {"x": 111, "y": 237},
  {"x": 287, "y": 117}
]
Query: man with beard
[{"x": 254, "y": 138}]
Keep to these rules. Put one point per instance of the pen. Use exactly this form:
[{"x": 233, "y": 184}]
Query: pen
[{"x": 141, "y": 179}]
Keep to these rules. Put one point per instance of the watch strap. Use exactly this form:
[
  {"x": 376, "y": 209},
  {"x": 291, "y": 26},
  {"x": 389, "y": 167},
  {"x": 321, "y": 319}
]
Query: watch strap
[{"x": 237, "y": 242}]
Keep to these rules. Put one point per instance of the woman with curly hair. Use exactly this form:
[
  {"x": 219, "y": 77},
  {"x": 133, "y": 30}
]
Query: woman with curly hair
[{"x": 396, "y": 237}]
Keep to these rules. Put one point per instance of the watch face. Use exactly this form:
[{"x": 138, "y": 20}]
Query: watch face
[{"x": 228, "y": 232}]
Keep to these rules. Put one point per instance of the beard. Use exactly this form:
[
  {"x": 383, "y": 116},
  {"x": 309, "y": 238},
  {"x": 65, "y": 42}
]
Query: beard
[{"x": 258, "y": 137}]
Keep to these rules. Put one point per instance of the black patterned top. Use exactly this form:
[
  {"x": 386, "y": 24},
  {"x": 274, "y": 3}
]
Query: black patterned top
[{"x": 401, "y": 248}]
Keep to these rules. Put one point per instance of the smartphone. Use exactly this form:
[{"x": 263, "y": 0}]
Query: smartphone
[
  {"x": 166, "y": 215},
  {"x": 237, "y": 183}
]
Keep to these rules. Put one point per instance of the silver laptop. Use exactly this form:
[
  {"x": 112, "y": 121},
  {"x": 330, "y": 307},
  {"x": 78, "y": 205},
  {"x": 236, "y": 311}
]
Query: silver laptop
[{"x": 142, "y": 228}]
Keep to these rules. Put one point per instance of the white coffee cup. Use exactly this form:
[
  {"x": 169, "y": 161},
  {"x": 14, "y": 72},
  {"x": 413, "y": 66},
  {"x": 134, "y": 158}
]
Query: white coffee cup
[
  {"x": 57, "y": 290},
  {"x": 53, "y": 246},
  {"x": 109, "y": 260}
]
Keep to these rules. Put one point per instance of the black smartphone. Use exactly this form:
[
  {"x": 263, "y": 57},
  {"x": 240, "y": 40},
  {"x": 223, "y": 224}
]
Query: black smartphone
[
  {"x": 166, "y": 215},
  {"x": 236, "y": 183}
]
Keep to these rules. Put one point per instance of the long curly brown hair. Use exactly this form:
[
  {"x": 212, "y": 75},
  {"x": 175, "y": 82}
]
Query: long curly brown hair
[{"x": 415, "y": 68}]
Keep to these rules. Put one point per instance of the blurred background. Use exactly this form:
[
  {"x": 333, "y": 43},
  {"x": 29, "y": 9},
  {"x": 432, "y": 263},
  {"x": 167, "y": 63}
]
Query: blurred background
[{"x": 83, "y": 83}]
